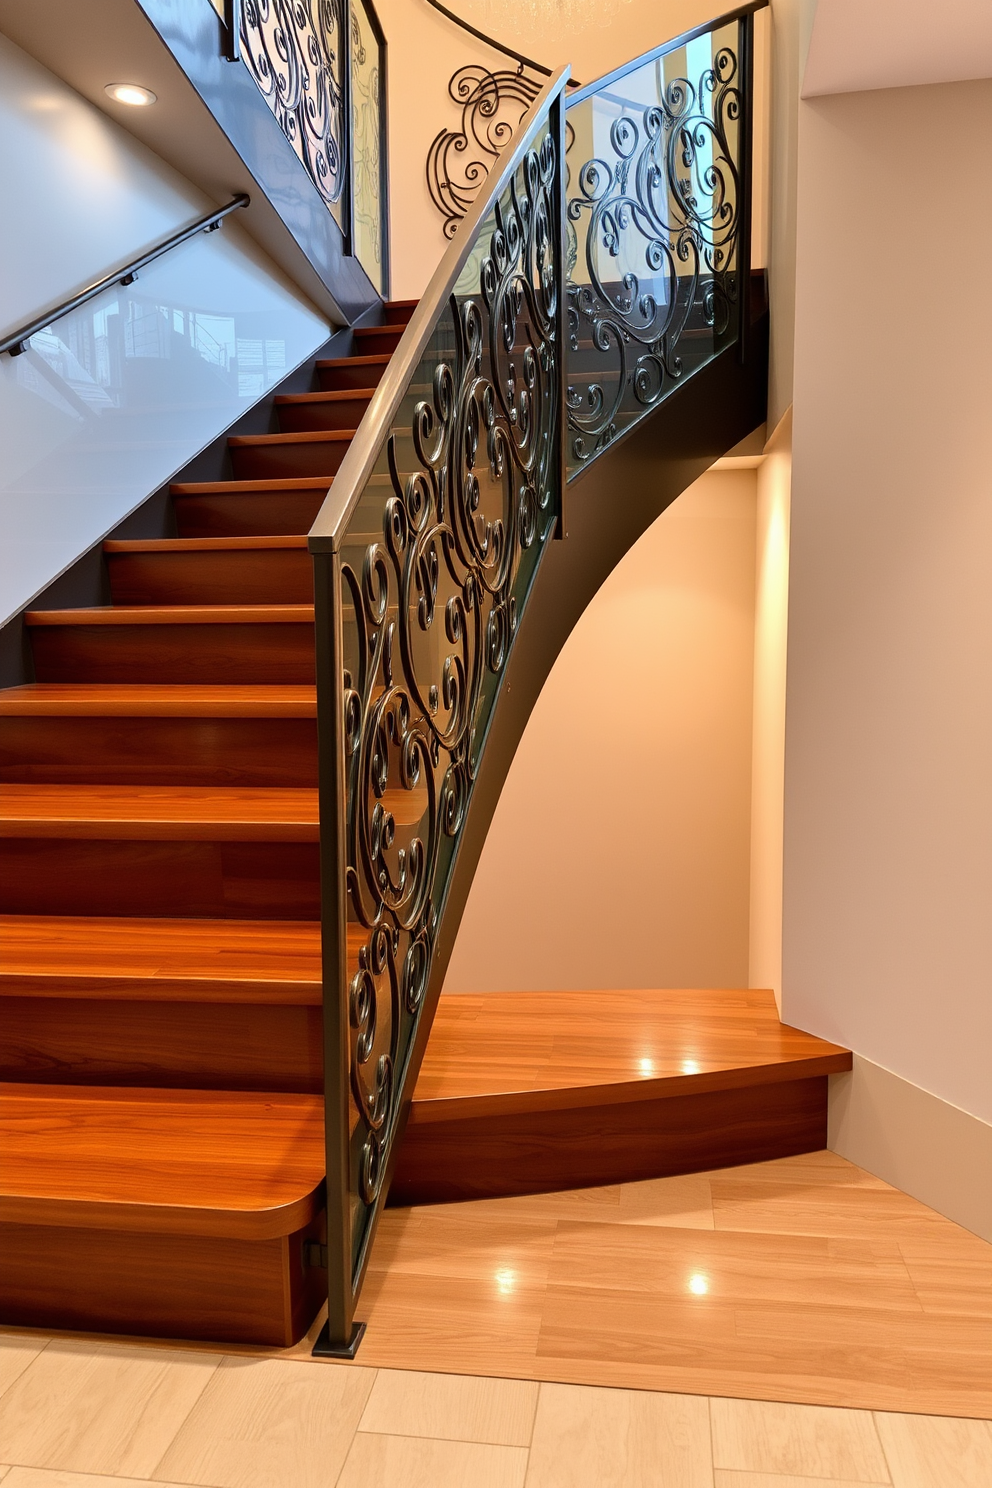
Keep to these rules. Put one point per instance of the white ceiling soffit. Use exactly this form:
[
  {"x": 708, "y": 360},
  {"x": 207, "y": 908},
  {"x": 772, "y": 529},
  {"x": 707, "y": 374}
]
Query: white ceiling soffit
[{"x": 860, "y": 44}]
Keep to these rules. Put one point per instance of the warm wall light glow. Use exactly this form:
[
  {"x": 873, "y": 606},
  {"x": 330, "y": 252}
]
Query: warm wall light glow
[
  {"x": 699, "y": 1285},
  {"x": 132, "y": 93},
  {"x": 505, "y": 1282},
  {"x": 646, "y": 1066}
]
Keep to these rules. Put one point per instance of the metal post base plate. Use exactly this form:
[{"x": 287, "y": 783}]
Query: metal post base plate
[{"x": 325, "y": 1349}]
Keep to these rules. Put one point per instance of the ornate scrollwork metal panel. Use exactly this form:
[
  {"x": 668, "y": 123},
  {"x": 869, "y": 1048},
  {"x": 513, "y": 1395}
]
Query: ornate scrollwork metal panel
[
  {"x": 654, "y": 216},
  {"x": 294, "y": 50},
  {"x": 435, "y": 570},
  {"x": 459, "y": 160}
]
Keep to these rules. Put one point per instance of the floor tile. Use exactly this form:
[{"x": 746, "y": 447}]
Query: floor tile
[
  {"x": 17, "y": 1350},
  {"x": 269, "y": 1423},
  {"x": 599, "y": 1438},
  {"x": 418, "y": 1462},
  {"x": 805, "y": 1440},
  {"x": 45, "y": 1477},
  {"x": 936, "y": 1452},
  {"x": 724, "y": 1479},
  {"x": 100, "y": 1408},
  {"x": 451, "y": 1407}
]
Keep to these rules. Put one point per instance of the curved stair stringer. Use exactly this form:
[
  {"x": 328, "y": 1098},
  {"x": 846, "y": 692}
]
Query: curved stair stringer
[{"x": 653, "y": 464}]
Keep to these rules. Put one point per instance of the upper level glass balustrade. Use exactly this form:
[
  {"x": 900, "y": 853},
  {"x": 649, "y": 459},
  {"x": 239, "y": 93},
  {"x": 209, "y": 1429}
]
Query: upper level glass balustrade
[{"x": 654, "y": 211}]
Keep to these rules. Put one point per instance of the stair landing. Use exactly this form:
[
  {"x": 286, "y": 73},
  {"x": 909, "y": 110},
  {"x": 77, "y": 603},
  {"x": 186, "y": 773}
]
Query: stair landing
[{"x": 529, "y": 1092}]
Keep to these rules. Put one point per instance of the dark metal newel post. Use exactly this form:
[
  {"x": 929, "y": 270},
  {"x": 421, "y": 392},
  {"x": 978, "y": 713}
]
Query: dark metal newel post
[{"x": 340, "y": 1336}]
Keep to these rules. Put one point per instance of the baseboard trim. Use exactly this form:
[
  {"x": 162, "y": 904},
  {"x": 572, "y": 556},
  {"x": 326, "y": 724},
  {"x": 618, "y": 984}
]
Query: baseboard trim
[{"x": 914, "y": 1140}]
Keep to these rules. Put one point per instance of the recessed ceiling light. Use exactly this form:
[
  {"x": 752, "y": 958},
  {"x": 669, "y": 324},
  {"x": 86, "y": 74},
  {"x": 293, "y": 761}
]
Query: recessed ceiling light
[{"x": 131, "y": 93}]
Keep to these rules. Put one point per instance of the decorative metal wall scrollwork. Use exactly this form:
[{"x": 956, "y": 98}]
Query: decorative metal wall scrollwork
[
  {"x": 435, "y": 570},
  {"x": 294, "y": 50},
  {"x": 653, "y": 231},
  {"x": 492, "y": 105}
]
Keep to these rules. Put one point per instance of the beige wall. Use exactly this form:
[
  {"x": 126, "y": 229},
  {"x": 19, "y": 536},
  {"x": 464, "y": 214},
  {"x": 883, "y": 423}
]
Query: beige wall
[
  {"x": 888, "y": 811},
  {"x": 619, "y": 852},
  {"x": 771, "y": 600}
]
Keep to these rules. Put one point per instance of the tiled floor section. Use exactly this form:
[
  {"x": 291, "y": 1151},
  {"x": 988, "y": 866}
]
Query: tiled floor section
[
  {"x": 806, "y": 1264},
  {"x": 102, "y": 1416},
  {"x": 804, "y": 1279}
]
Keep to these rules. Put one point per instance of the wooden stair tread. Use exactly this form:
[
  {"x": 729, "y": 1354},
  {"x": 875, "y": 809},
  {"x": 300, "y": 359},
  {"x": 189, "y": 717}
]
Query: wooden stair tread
[
  {"x": 305, "y": 436},
  {"x": 204, "y": 544},
  {"x": 252, "y": 487},
  {"x": 262, "y": 961},
  {"x": 376, "y": 359},
  {"x": 168, "y": 1161},
  {"x": 503, "y": 1052},
  {"x": 156, "y": 700},
  {"x": 294, "y": 614},
  {"x": 229, "y": 813},
  {"x": 336, "y": 395}
]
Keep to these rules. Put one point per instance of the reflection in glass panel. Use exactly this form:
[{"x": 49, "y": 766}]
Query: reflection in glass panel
[
  {"x": 653, "y": 215},
  {"x": 436, "y": 565},
  {"x": 368, "y": 228}
]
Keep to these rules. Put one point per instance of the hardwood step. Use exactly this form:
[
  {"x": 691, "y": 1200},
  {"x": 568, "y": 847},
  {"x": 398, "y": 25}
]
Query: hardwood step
[
  {"x": 352, "y": 372},
  {"x": 528, "y": 1092},
  {"x": 254, "y": 644},
  {"x": 288, "y": 456},
  {"x": 188, "y": 1004},
  {"x": 264, "y": 508},
  {"x": 343, "y": 409},
  {"x": 141, "y": 734},
  {"x": 211, "y": 570},
  {"x": 175, "y": 1213},
  {"x": 398, "y": 312},
  {"x": 263, "y": 962},
  {"x": 368, "y": 340},
  {"x": 159, "y": 813},
  {"x": 165, "y": 851}
]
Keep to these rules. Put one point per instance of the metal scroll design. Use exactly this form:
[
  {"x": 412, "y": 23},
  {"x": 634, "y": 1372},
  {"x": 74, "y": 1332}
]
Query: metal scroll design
[
  {"x": 431, "y": 602},
  {"x": 663, "y": 206},
  {"x": 294, "y": 50},
  {"x": 458, "y": 162}
]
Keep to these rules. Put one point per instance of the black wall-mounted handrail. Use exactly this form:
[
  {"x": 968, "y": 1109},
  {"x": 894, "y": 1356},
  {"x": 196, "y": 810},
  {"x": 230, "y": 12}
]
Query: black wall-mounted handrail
[
  {"x": 17, "y": 342},
  {"x": 498, "y": 46}
]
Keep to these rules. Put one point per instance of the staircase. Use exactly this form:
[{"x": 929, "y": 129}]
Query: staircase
[
  {"x": 225, "y": 929},
  {"x": 161, "y": 1116}
]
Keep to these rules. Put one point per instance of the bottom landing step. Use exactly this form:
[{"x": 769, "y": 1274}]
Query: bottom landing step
[
  {"x": 531, "y": 1092},
  {"x": 183, "y": 1214}
]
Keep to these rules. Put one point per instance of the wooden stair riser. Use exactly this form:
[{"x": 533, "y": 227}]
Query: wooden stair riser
[
  {"x": 376, "y": 340},
  {"x": 248, "y": 513},
  {"x": 398, "y": 312},
  {"x": 169, "y": 1286},
  {"x": 298, "y": 415},
  {"x": 283, "y": 456},
  {"x": 159, "y": 751},
  {"x": 180, "y": 1045},
  {"x": 590, "y": 1145},
  {"x": 177, "y": 879},
  {"x": 255, "y": 576},
  {"x": 353, "y": 373},
  {"x": 245, "y": 653}
]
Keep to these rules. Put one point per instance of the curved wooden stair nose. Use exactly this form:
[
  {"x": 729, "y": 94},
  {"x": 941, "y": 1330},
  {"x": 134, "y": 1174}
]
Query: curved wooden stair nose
[{"x": 526, "y": 1092}]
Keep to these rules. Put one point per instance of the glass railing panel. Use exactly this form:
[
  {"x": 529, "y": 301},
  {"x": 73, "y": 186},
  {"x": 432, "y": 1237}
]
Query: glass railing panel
[
  {"x": 368, "y": 144},
  {"x": 436, "y": 562},
  {"x": 654, "y": 215},
  {"x": 296, "y": 54}
]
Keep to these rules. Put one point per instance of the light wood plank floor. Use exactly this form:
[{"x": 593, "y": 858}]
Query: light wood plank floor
[
  {"x": 803, "y": 1280},
  {"x": 797, "y": 1324}
]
